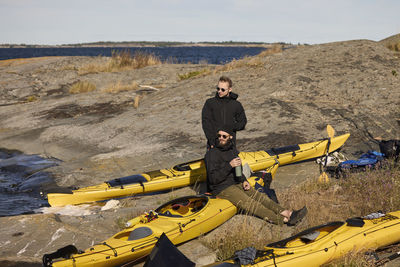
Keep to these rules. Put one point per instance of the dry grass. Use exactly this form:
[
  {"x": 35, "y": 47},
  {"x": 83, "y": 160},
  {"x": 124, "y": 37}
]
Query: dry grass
[
  {"x": 275, "y": 49},
  {"x": 93, "y": 68},
  {"x": 121, "y": 221},
  {"x": 234, "y": 64},
  {"x": 358, "y": 194},
  {"x": 121, "y": 61},
  {"x": 251, "y": 62},
  {"x": 136, "y": 101},
  {"x": 31, "y": 98},
  {"x": 82, "y": 87},
  {"x": 120, "y": 87},
  {"x": 243, "y": 231},
  {"x": 394, "y": 47},
  {"x": 124, "y": 60},
  {"x": 192, "y": 74},
  {"x": 69, "y": 67}
]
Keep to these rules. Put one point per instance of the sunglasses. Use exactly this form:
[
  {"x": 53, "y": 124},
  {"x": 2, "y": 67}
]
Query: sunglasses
[
  {"x": 223, "y": 136},
  {"x": 221, "y": 89}
]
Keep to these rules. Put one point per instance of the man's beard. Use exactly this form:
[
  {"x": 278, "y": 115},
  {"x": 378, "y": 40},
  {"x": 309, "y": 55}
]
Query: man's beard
[{"x": 226, "y": 145}]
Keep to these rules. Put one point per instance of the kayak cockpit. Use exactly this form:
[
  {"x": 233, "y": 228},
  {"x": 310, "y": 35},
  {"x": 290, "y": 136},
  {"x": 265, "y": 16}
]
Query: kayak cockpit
[
  {"x": 182, "y": 207},
  {"x": 188, "y": 166},
  {"x": 282, "y": 150}
]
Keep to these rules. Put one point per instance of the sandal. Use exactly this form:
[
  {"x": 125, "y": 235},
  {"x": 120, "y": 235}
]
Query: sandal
[{"x": 297, "y": 216}]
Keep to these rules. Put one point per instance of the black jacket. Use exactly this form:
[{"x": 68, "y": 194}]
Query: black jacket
[
  {"x": 222, "y": 111},
  {"x": 220, "y": 173}
]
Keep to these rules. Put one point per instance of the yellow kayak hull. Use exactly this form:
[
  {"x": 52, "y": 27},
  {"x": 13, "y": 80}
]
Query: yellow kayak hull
[
  {"x": 190, "y": 173},
  {"x": 181, "y": 220},
  {"x": 332, "y": 241}
]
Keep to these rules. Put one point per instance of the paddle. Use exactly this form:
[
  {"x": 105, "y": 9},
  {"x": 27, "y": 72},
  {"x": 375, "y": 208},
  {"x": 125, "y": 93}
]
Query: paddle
[{"x": 323, "y": 178}]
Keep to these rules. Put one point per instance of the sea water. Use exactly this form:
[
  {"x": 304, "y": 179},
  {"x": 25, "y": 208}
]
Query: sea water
[
  {"x": 182, "y": 54},
  {"x": 22, "y": 178}
]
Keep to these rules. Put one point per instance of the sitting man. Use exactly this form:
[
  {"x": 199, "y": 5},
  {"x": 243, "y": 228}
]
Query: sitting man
[{"x": 222, "y": 182}]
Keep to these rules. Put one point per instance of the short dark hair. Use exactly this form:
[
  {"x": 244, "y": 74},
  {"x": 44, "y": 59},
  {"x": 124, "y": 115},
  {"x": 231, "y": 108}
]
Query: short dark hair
[{"x": 226, "y": 79}]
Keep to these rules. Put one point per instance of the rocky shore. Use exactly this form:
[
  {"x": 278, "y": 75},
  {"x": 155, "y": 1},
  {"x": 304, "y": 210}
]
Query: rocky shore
[{"x": 289, "y": 98}]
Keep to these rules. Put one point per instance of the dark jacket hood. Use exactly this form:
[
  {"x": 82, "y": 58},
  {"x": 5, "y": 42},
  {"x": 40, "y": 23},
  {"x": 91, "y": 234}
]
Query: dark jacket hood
[{"x": 232, "y": 96}]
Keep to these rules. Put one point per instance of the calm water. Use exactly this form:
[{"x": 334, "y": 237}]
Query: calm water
[
  {"x": 22, "y": 177},
  {"x": 192, "y": 54}
]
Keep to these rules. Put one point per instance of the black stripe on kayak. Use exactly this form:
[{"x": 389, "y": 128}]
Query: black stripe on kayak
[
  {"x": 282, "y": 243},
  {"x": 282, "y": 150},
  {"x": 132, "y": 179},
  {"x": 185, "y": 166}
]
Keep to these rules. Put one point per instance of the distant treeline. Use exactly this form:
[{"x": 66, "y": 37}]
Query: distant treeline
[{"x": 142, "y": 43}]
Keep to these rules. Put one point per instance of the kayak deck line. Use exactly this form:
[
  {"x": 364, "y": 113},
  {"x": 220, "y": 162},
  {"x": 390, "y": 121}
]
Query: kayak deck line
[
  {"x": 180, "y": 219},
  {"x": 321, "y": 244},
  {"x": 189, "y": 173}
]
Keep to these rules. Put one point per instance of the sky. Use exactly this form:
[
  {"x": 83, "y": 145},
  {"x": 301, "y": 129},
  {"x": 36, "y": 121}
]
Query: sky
[{"x": 55, "y": 22}]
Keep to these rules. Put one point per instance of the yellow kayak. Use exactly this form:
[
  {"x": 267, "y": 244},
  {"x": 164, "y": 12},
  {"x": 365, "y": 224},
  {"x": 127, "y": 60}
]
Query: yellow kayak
[
  {"x": 180, "y": 220},
  {"x": 322, "y": 244},
  {"x": 190, "y": 173}
]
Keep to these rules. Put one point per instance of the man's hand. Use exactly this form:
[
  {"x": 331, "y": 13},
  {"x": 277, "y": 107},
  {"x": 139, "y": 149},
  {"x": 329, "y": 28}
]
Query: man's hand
[
  {"x": 235, "y": 162},
  {"x": 246, "y": 185}
]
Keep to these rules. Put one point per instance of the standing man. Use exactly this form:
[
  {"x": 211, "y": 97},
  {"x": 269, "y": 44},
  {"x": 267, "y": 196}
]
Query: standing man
[
  {"x": 223, "y": 183},
  {"x": 223, "y": 109}
]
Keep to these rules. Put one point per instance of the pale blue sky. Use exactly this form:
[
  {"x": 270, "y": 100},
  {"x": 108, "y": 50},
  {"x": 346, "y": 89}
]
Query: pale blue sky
[{"x": 307, "y": 21}]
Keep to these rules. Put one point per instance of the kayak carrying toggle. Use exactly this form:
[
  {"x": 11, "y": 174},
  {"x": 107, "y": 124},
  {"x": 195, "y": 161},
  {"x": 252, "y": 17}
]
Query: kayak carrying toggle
[{"x": 181, "y": 225}]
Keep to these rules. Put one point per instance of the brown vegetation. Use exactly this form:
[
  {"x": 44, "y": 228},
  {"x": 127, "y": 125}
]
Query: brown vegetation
[
  {"x": 394, "y": 47},
  {"x": 82, "y": 87},
  {"x": 122, "y": 60},
  {"x": 198, "y": 73},
  {"x": 251, "y": 62},
  {"x": 358, "y": 194},
  {"x": 120, "y": 87},
  {"x": 392, "y": 42}
]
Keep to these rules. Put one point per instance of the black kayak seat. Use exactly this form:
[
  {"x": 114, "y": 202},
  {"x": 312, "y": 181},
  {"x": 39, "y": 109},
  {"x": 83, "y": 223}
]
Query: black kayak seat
[
  {"x": 355, "y": 222},
  {"x": 282, "y": 150},
  {"x": 185, "y": 166},
  {"x": 310, "y": 236},
  {"x": 132, "y": 179}
]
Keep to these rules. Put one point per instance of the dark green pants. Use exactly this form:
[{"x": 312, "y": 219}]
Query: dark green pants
[{"x": 253, "y": 203}]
